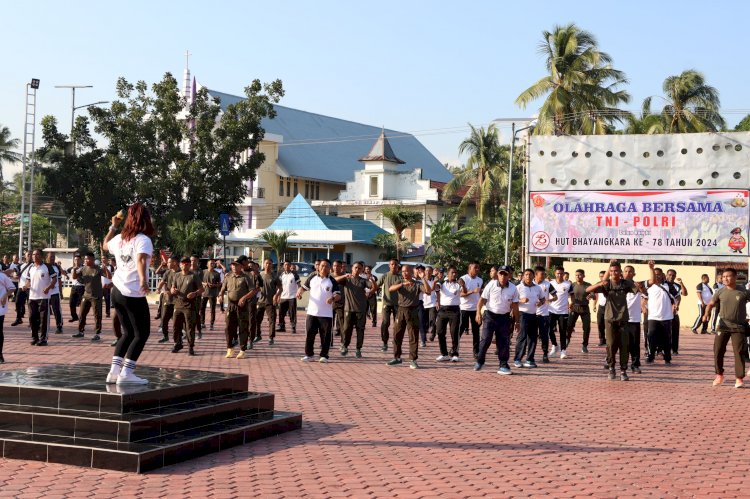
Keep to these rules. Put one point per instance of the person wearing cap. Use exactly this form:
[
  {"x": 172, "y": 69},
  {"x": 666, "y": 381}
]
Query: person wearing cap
[
  {"x": 186, "y": 288},
  {"x": 90, "y": 276},
  {"x": 449, "y": 291},
  {"x": 165, "y": 287},
  {"x": 76, "y": 288},
  {"x": 500, "y": 301},
  {"x": 390, "y": 300},
  {"x": 240, "y": 287},
  {"x": 471, "y": 287}
]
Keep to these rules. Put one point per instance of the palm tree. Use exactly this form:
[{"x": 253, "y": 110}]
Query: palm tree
[
  {"x": 646, "y": 123},
  {"x": 580, "y": 91},
  {"x": 692, "y": 105},
  {"x": 190, "y": 238},
  {"x": 485, "y": 171},
  {"x": 401, "y": 220},
  {"x": 6, "y": 144},
  {"x": 278, "y": 241}
]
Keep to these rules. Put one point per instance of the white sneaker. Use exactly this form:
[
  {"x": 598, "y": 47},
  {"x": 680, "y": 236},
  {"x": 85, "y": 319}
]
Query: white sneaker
[
  {"x": 306, "y": 359},
  {"x": 554, "y": 350},
  {"x": 112, "y": 378},
  {"x": 323, "y": 360},
  {"x": 563, "y": 354},
  {"x": 443, "y": 358},
  {"x": 454, "y": 358},
  {"x": 131, "y": 379}
]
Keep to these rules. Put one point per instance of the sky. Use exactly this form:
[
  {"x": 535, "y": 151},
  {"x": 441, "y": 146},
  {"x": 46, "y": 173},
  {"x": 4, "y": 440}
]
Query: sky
[{"x": 425, "y": 67}]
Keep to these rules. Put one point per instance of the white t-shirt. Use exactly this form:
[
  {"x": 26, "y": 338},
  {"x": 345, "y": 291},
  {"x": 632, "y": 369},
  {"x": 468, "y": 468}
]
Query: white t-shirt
[
  {"x": 706, "y": 293},
  {"x": 470, "y": 302},
  {"x": 289, "y": 285},
  {"x": 126, "y": 278},
  {"x": 450, "y": 294},
  {"x": 6, "y": 287},
  {"x": 659, "y": 303},
  {"x": 561, "y": 306},
  {"x": 534, "y": 293},
  {"x": 601, "y": 300},
  {"x": 634, "y": 307},
  {"x": 39, "y": 277},
  {"x": 321, "y": 290},
  {"x": 428, "y": 301},
  {"x": 544, "y": 309},
  {"x": 499, "y": 299}
]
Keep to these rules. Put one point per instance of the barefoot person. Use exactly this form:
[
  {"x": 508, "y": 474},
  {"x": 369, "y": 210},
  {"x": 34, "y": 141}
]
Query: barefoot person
[{"x": 132, "y": 249}]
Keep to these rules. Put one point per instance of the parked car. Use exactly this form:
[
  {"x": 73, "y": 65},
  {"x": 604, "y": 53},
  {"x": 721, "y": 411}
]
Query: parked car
[
  {"x": 381, "y": 268},
  {"x": 304, "y": 269}
]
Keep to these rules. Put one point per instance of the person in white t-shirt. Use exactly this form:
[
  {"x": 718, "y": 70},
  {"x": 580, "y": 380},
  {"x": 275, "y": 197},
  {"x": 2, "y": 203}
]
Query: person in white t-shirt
[
  {"x": 704, "y": 292},
  {"x": 543, "y": 311},
  {"x": 288, "y": 300},
  {"x": 324, "y": 290},
  {"x": 38, "y": 280},
  {"x": 635, "y": 312},
  {"x": 559, "y": 309},
  {"x": 132, "y": 249},
  {"x": 531, "y": 297},
  {"x": 660, "y": 314},
  {"x": 429, "y": 305},
  {"x": 471, "y": 288},
  {"x": 500, "y": 301},
  {"x": 7, "y": 287},
  {"x": 449, "y": 291}
]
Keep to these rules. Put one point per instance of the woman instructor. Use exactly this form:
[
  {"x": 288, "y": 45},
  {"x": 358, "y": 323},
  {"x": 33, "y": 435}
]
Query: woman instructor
[{"x": 132, "y": 249}]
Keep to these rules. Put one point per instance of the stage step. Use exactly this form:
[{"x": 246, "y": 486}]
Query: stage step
[{"x": 67, "y": 414}]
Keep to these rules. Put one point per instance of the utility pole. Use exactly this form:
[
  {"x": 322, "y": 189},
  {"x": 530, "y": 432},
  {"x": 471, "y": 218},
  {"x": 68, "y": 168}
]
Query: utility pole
[
  {"x": 73, "y": 108},
  {"x": 29, "y": 134}
]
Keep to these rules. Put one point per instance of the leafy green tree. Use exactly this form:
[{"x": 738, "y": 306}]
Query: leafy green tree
[
  {"x": 7, "y": 155},
  {"x": 401, "y": 219},
  {"x": 185, "y": 160},
  {"x": 43, "y": 233},
  {"x": 279, "y": 242},
  {"x": 387, "y": 243},
  {"x": 485, "y": 172},
  {"x": 645, "y": 123},
  {"x": 743, "y": 125},
  {"x": 692, "y": 105},
  {"x": 190, "y": 238},
  {"x": 581, "y": 90}
]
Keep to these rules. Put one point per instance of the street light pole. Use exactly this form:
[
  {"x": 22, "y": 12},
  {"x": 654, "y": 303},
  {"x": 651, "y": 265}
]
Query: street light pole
[
  {"x": 531, "y": 126},
  {"x": 73, "y": 107}
]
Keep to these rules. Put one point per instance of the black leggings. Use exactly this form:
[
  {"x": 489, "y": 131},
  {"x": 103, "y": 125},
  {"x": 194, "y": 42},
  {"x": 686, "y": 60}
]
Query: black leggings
[
  {"x": 2, "y": 337},
  {"x": 135, "y": 320}
]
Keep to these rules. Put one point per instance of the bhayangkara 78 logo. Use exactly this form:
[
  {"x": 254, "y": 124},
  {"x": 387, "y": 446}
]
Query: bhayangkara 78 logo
[{"x": 540, "y": 240}]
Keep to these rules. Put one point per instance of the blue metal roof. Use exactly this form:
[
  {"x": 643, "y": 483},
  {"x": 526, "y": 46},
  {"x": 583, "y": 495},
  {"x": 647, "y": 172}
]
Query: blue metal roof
[
  {"x": 324, "y": 148},
  {"x": 299, "y": 215}
]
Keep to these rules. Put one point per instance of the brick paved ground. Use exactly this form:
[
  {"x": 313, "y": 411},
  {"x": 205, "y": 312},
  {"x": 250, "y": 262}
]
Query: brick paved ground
[{"x": 373, "y": 431}]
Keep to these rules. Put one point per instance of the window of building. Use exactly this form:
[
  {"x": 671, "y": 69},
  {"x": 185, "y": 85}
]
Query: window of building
[
  {"x": 281, "y": 186},
  {"x": 373, "y": 186},
  {"x": 357, "y": 217},
  {"x": 288, "y": 186},
  {"x": 307, "y": 188},
  {"x": 317, "y": 190},
  {"x": 295, "y": 187}
]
